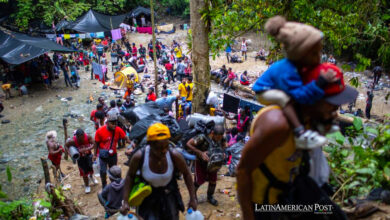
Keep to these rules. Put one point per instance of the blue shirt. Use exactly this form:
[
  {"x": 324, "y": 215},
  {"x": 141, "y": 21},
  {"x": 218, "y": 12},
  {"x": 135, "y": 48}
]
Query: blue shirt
[
  {"x": 283, "y": 75},
  {"x": 166, "y": 102},
  {"x": 228, "y": 49}
]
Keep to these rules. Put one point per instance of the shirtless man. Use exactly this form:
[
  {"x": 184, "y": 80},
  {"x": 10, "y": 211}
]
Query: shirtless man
[{"x": 55, "y": 150}]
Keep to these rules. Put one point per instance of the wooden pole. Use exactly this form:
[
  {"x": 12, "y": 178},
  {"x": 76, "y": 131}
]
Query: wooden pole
[
  {"x": 45, "y": 170},
  {"x": 154, "y": 49},
  {"x": 65, "y": 125}
]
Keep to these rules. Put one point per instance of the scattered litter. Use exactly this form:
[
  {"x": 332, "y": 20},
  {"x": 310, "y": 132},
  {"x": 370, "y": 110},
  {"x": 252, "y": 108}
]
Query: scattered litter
[
  {"x": 39, "y": 109},
  {"x": 64, "y": 100},
  {"x": 67, "y": 187},
  {"x": 69, "y": 98},
  {"x": 5, "y": 121}
]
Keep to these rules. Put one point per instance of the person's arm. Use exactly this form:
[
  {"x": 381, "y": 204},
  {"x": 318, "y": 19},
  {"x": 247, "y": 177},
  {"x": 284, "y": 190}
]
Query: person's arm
[
  {"x": 91, "y": 143},
  {"x": 191, "y": 144},
  {"x": 104, "y": 192},
  {"x": 129, "y": 181},
  {"x": 264, "y": 140},
  {"x": 69, "y": 143},
  {"x": 95, "y": 146},
  {"x": 51, "y": 148},
  {"x": 181, "y": 165}
]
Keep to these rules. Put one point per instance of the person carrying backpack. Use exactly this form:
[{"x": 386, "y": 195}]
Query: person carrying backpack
[
  {"x": 156, "y": 164},
  {"x": 264, "y": 173}
]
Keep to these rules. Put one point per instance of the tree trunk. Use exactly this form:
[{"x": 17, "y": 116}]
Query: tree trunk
[
  {"x": 200, "y": 56},
  {"x": 45, "y": 170}
]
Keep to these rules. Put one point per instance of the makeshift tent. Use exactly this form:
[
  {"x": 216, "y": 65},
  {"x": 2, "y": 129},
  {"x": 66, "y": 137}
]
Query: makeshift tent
[
  {"x": 139, "y": 12},
  {"x": 16, "y": 48},
  {"x": 121, "y": 77},
  {"x": 62, "y": 25},
  {"x": 93, "y": 21}
]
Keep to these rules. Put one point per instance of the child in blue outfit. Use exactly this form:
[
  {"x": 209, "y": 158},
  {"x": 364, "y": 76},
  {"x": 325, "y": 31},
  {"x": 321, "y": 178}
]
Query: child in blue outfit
[{"x": 283, "y": 80}]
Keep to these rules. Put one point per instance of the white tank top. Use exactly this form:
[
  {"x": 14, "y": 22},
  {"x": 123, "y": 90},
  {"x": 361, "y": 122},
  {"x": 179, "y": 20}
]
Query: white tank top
[
  {"x": 243, "y": 46},
  {"x": 156, "y": 179}
]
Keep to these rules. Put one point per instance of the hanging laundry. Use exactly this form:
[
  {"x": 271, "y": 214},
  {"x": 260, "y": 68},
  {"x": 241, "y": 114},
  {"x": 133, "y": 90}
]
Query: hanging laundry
[
  {"x": 51, "y": 36},
  {"x": 82, "y": 36},
  {"x": 72, "y": 36},
  {"x": 66, "y": 36},
  {"x": 100, "y": 34},
  {"x": 116, "y": 34},
  {"x": 98, "y": 71}
]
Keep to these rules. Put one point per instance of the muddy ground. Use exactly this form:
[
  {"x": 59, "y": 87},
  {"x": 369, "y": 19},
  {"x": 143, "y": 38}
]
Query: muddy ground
[{"x": 23, "y": 140}]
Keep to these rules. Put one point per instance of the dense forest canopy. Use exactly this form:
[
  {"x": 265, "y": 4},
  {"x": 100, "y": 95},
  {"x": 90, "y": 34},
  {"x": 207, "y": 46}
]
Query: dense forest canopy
[{"x": 354, "y": 29}]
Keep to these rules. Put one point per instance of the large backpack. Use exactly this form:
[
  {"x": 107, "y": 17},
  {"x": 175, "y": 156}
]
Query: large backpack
[
  {"x": 200, "y": 128},
  {"x": 303, "y": 190}
]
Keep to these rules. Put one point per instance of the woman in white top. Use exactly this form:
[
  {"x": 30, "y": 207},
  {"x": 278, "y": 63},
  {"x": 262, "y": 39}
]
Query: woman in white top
[
  {"x": 244, "y": 47},
  {"x": 157, "y": 163}
]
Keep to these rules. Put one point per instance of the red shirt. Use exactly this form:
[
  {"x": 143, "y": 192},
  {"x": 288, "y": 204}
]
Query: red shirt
[
  {"x": 134, "y": 52},
  {"x": 93, "y": 115},
  {"x": 152, "y": 97},
  {"x": 168, "y": 66},
  {"x": 103, "y": 136},
  {"x": 231, "y": 75}
]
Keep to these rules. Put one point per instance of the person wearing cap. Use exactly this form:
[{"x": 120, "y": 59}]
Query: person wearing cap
[
  {"x": 272, "y": 142},
  {"x": 106, "y": 141},
  {"x": 282, "y": 85},
  {"x": 111, "y": 196},
  {"x": 84, "y": 144},
  {"x": 55, "y": 151},
  {"x": 200, "y": 145},
  {"x": 157, "y": 163}
]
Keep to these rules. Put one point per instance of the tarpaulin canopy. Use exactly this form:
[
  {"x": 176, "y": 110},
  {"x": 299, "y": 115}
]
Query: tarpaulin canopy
[
  {"x": 140, "y": 11},
  {"x": 93, "y": 21},
  {"x": 16, "y": 48}
]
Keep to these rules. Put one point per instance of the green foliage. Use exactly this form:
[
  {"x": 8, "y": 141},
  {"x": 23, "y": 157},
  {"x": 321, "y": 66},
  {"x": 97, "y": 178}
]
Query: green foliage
[
  {"x": 9, "y": 174},
  {"x": 19, "y": 209},
  {"x": 350, "y": 27},
  {"x": 360, "y": 161},
  {"x": 177, "y": 7}
]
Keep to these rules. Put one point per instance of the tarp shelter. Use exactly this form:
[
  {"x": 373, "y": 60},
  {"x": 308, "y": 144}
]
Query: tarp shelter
[
  {"x": 62, "y": 25},
  {"x": 16, "y": 48},
  {"x": 121, "y": 77},
  {"x": 139, "y": 12},
  {"x": 93, "y": 21}
]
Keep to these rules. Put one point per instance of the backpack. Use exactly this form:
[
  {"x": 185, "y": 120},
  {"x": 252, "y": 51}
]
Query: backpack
[
  {"x": 303, "y": 190},
  {"x": 200, "y": 128},
  {"x": 216, "y": 156}
]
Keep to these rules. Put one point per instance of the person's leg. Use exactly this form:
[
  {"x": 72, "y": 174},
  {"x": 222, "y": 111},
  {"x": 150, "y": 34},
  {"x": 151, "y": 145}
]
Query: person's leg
[
  {"x": 211, "y": 188},
  {"x": 277, "y": 97},
  {"x": 103, "y": 172},
  {"x": 86, "y": 182},
  {"x": 368, "y": 111}
]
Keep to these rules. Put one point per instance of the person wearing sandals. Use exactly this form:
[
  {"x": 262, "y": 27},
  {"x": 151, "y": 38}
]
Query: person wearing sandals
[{"x": 157, "y": 163}]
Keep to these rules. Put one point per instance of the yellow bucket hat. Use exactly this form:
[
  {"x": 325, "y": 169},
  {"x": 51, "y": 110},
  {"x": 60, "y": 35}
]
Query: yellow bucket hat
[{"x": 157, "y": 132}]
